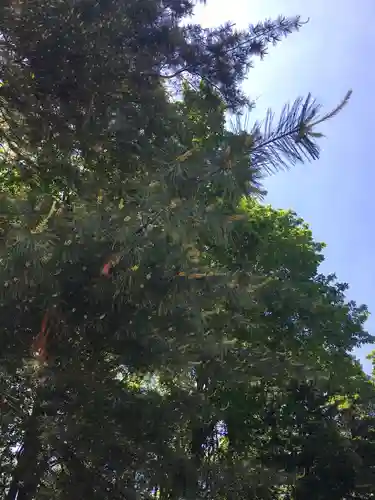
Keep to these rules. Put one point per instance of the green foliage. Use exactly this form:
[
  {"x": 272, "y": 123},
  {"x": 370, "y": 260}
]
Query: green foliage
[{"x": 209, "y": 361}]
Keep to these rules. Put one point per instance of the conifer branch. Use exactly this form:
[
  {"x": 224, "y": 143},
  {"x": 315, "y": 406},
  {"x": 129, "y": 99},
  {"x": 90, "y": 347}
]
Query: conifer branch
[{"x": 292, "y": 139}]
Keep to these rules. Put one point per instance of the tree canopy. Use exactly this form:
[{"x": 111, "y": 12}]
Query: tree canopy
[{"x": 164, "y": 334}]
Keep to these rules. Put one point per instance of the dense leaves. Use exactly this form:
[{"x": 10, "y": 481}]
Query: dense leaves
[{"x": 163, "y": 333}]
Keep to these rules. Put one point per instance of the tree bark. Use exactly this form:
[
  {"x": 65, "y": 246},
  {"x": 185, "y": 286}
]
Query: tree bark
[{"x": 30, "y": 464}]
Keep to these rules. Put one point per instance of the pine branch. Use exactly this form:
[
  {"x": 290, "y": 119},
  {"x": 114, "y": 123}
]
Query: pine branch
[
  {"x": 270, "y": 31},
  {"x": 336, "y": 110},
  {"x": 258, "y": 36},
  {"x": 292, "y": 139}
]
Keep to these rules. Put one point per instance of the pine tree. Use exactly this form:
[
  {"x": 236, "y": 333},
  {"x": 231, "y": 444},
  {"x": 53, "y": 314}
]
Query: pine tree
[{"x": 124, "y": 306}]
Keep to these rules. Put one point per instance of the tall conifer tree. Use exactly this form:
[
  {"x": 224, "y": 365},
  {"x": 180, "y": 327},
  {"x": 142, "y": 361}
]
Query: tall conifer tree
[{"x": 124, "y": 303}]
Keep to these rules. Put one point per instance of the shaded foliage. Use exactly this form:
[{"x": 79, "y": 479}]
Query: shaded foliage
[{"x": 163, "y": 334}]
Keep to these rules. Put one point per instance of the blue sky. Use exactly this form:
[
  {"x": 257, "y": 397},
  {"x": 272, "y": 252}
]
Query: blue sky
[{"x": 335, "y": 195}]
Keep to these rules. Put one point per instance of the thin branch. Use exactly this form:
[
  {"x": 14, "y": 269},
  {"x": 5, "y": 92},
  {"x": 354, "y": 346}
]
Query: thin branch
[
  {"x": 173, "y": 75},
  {"x": 336, "y": 110}
]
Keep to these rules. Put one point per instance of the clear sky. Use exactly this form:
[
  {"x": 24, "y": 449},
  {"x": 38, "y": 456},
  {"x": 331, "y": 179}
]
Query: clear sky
[{"x": 335, "y": 195}]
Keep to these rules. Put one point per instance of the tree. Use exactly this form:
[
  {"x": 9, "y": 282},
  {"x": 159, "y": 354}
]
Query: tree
[
  {"x": 65, "y": 88},
  {"x": 126, "y": 244},
  {"x": 248, "y": 398}
]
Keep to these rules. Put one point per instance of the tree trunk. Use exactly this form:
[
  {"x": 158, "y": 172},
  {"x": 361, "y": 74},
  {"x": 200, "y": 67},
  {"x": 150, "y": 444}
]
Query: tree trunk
[{"x": 30, "y": 463}]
